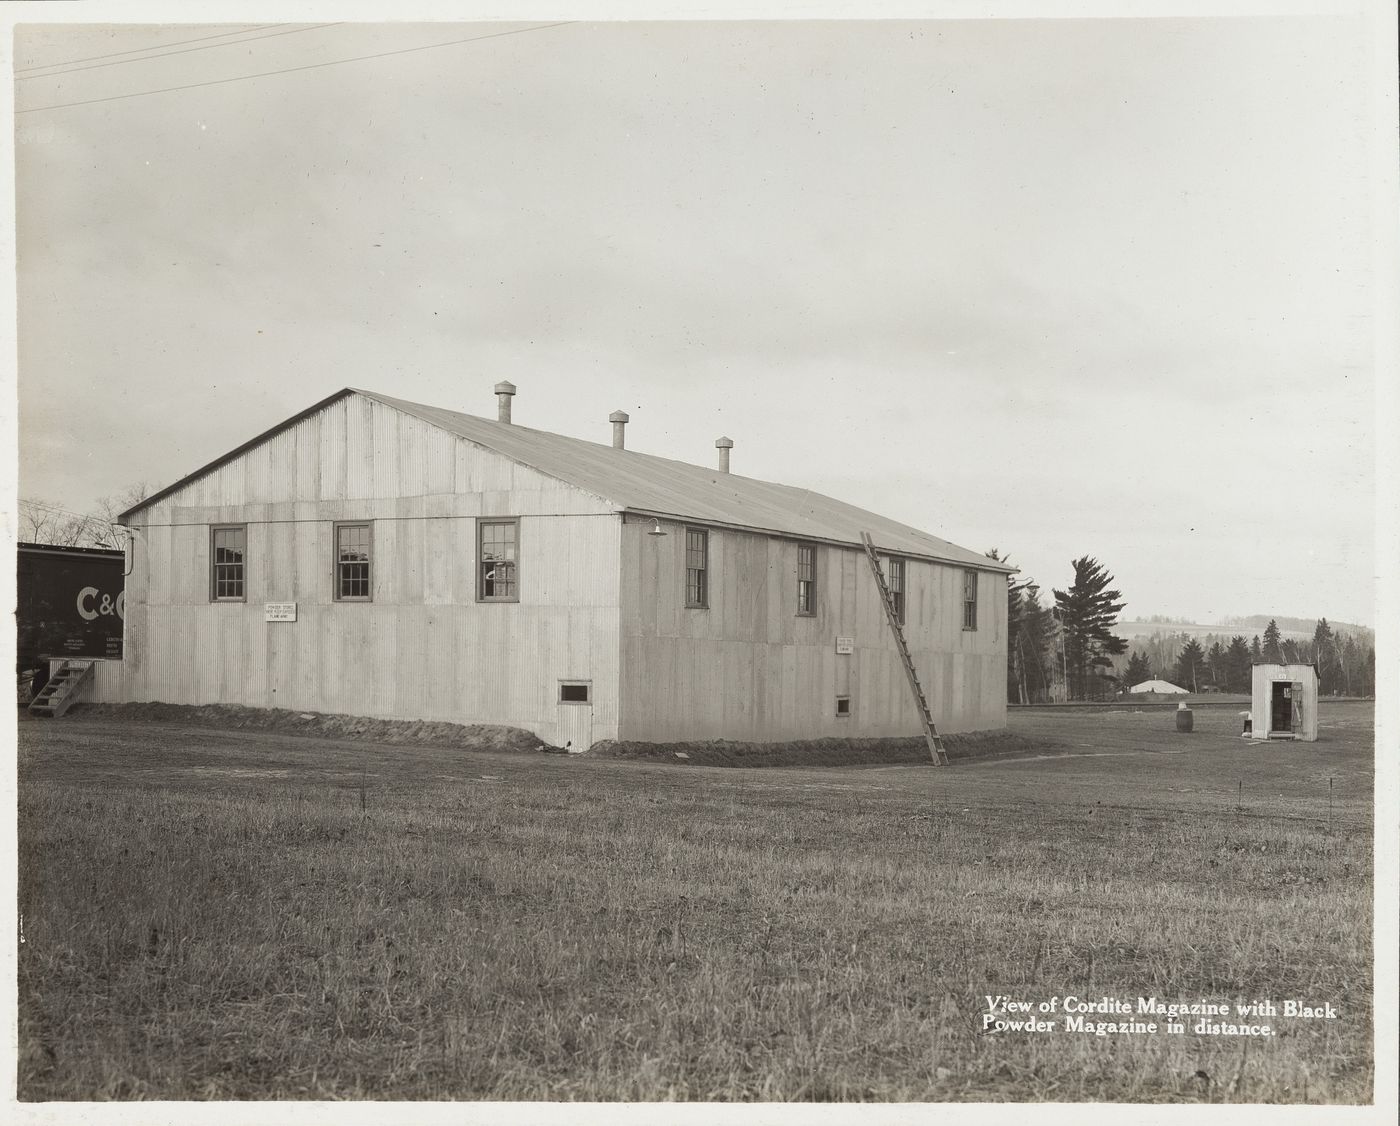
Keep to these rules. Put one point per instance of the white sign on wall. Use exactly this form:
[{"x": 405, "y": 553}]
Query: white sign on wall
[
  {"x": 280, "y": 611},
  {"x": 845, "y": 645}
]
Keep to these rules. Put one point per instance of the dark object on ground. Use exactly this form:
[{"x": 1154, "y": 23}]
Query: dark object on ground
[{"x": 41, "y": 678}]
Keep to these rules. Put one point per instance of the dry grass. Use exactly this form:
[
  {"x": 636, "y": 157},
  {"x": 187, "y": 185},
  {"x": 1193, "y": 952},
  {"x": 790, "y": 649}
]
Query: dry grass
[
  {"x": 327, "y": 725},
  {"x": 246, "y": 915},
  {"x": 964, "y": 747}
]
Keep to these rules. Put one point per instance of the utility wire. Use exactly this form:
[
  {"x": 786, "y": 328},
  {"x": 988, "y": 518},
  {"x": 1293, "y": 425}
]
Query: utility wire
[
  {"x": 138, "y": 50},
  {"x": 46, "y": 507},
  {"x": 295, "y": 69},
  {"x": 166, "y": 54}
]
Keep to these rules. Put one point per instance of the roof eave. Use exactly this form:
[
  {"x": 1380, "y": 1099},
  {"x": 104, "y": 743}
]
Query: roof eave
[{"x": 657, "y": 514}]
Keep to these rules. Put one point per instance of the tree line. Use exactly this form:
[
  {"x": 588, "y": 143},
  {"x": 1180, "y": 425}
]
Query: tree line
[
  {"x": 43, "y": 522},
  {"x": 1065, "y": 648},
  {"x": 1346, "y": 663}
]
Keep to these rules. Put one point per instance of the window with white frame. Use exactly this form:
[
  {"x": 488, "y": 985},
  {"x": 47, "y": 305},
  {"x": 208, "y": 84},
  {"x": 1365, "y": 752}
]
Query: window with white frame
[
  {"x": 894, "y": 576},
  {"x": 697, "y": 568},
  {"x": 969, "y": 600},
  {"x": 228, "y": 550},
  {"x": 806, "y": 578},
  {"x": 498, "y": 560},
  {"x": 353, "y": 558}
]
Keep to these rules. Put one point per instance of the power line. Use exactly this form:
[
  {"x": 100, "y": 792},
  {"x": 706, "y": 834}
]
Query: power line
[
  {"x": 138, "y": 50},
  {"x": 165, "y": 54},
  {"x": 45, "y": 506},
  {"x": 295, "y": 69}
]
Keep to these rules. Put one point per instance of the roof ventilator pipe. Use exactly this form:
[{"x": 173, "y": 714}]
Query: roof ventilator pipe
[
  {"x": 619, "y": 420},
  {"x": 503, "y": 393},
  {"x": 724, "y": 445}
]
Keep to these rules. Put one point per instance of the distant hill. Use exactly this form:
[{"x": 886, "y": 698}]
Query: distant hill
[
  {"x": 1256, "y": 623},
  {"x": 1298, "y": 629}
]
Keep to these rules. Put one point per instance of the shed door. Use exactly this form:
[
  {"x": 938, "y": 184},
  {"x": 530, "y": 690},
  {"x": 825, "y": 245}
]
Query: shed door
[
  {"x": 1298, "y": 707},
  {"x": 574, "y": 729},
  {"x": 1281, "y": 706}
]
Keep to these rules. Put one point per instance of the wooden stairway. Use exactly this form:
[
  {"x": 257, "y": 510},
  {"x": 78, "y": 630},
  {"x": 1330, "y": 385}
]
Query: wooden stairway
[
  {"x": 58, "y": 695},
  {"x": 935, "y": 741}
]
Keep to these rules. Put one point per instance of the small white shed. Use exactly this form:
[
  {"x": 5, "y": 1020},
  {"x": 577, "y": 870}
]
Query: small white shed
[
  {"x": 1285, "y": 702},
  {"x": 1160, "y": 687}
]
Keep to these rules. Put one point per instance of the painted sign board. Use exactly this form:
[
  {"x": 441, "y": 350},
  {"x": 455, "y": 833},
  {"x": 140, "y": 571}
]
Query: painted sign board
[
  {"x": 280, "y": 611},
  {"x": 845, "y": 645},
  {"x": 71, "y": 602}
]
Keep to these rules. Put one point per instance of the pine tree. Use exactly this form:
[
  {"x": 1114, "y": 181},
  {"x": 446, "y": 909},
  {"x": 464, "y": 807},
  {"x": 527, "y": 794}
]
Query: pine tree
[
  {"x": 1239, "y": 673},
  {"x": 1256, "y": 651},
  {"x": 1028, "y": 632},
  {"x": 1138, "y": 669},
  {"x": 1325, "y": 656},
  {"x": 1033, "y": 644},
  {"x": 1215, "y": 660},
  {"x": 1087, "y": 612},
  {"x": 1273, "y": 652},
  {"x": 1191, "y": 665}
]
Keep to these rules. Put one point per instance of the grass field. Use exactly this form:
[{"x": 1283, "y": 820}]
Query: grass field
[{"x": 210, "y": 914}]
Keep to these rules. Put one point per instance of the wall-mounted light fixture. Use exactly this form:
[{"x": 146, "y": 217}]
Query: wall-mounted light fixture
[{"x": 656, "y": 528}]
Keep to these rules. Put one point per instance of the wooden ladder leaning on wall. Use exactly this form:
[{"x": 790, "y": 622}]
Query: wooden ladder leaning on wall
[{"x": 935, "y": 741}]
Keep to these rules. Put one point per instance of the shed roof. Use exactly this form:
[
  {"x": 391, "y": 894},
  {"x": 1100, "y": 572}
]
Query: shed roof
[
  {"x": 1161, "y": 687},
  {"x": 658, "y": 486}
]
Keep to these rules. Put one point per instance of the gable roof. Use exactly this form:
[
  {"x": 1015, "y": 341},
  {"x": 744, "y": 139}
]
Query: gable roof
[
  {"x": 1161, "y": 687},
  {"x": 657, "y": 486}
]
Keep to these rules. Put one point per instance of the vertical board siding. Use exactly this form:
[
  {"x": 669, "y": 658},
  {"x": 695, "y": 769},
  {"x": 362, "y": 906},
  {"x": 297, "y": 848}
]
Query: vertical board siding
[
  {"x": 334, "y": 451},
  {"x": 423, "y": 647},
  {"x": 750, "y": 668},
  {"x": 599, "y": 600}
]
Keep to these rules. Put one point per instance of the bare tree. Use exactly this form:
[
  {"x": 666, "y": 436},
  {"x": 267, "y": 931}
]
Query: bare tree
[
  {"x": 40, "y": 521},
  {"x": 105, "y": 530}
]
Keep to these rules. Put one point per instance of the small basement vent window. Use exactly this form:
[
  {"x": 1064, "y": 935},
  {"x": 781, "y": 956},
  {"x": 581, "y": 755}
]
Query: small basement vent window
[
  {"x": 575, "y": 692},
  {"x": 843, "y": 705}
]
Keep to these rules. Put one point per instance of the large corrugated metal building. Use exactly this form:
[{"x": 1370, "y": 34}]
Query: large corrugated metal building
[{"x": 378, "y": 557}]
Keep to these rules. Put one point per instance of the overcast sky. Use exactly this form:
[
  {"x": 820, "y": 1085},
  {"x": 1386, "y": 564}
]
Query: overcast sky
[{"x": 1059, "y": 287}]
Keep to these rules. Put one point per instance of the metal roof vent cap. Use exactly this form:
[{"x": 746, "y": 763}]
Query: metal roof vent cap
[
  {"x": 724, "y": 445},
  {"x": 504, "y": 391},
  {"x": 619, "y": 420}
]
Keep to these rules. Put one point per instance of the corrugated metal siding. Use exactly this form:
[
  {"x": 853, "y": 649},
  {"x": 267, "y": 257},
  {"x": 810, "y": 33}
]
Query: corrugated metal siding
[
  {"x": 746, "y": 668},
  {"x": 371, "y": 453},
  {"x": 751, "y": 668},
  {"x": 423, "y": 648},
  {"x": 1263, "y": 678},
  {"x": 107, "y": 685}
]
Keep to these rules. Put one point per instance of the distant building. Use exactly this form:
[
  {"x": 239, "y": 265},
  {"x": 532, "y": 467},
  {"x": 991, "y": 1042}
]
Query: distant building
[
  {"x": 1285, "y": 702},
  {"x": 384, "y": 558},
  {"x": 1159, "y": 687}
]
